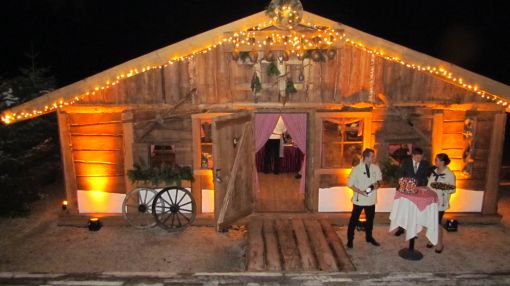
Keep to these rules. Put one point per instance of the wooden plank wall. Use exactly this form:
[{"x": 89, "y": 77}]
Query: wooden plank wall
[
  {"x": 343, "y": 79},
  {"x": 453, "y": 145},
  {"x": 172, "y": 131},
  {"x": 97, "y": 150}
]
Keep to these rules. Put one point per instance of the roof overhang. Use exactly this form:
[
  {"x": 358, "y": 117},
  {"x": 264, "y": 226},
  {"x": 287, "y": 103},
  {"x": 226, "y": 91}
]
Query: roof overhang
[{"x": 71, "y": 93}]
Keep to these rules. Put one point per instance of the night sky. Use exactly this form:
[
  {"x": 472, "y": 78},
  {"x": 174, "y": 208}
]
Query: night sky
[{"x": 79, "y": 38}]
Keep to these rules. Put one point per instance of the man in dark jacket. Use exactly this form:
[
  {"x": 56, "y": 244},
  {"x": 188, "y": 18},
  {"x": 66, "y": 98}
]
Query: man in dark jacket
[{"x": 415, "y": 167}]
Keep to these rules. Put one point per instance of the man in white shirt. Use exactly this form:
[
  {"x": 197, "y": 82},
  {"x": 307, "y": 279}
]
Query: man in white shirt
[
  {"x": 364, "y": 180},
  {"x": 274, "y": 148}
]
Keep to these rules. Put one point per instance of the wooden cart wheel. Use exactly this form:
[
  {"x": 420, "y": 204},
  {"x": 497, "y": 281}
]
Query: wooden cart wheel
[
  {"x": 137, "y": 208},
  {"x": 174, "y": 208}
]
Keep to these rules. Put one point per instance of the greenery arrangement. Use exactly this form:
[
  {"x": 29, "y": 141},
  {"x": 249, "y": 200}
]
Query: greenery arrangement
[
  {"x": 389, "y": 172},
  {"x": 272, "y": 69},
  {"x": 171, "y": 175},
  {"x": 244, "y": 55},
  {"x": 290, "y": 88},
  {"x": 256, "y": 85}
]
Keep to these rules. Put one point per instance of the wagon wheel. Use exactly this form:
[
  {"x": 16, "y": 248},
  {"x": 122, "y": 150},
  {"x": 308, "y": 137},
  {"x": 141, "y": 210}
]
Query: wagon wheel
[
  {"x": 137, "y": 208},
  {"x": 174, "y": 208}
]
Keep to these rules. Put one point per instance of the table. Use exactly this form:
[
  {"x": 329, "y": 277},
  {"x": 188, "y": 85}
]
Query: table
[
  {"x": 290, "y": 163},
  {"x": 413, "y": 212}
]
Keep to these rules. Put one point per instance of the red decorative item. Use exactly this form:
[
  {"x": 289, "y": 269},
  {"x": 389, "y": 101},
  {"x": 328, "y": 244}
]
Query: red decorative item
[{"x": 407, "y": 185}]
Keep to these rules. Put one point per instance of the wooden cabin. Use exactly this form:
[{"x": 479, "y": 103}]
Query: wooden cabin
[{"x": 200, "y": 99}]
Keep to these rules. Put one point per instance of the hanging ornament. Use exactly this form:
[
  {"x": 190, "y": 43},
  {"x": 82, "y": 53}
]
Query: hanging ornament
[
  {"x": 235, "y": 55},
  {"x": 331, "y": 53},
  {"x": 285, "y": 14},
  {"x": 244, "y": 55},
  {"x": 317, "y": 56},
  {"x": 269, "y": 56},
  {"x": 254, "y": 56},
  {"x": 256, "y": 85},
  {"x": 301, "y": 56},
  {"x": 284, "y": 56},
  {"x": 289, "y": 87},
  {"x": 272, "y": 69},
  {"x": 301, "y": 76}
]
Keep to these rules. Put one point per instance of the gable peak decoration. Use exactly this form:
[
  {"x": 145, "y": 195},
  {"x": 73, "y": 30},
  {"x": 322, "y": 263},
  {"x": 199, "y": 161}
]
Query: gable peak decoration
[{"x": 285, "y": 14}]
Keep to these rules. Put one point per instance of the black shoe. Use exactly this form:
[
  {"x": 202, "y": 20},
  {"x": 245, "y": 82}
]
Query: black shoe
[
  {"x": 298, "y": 176},
  {"x": 399, "y": 232},
  {"x": 373, "y": 242},
  {"x": 439, "y": 250},
  {"x": 429, "y": 245},
  {"x": 349, "y": 244}
]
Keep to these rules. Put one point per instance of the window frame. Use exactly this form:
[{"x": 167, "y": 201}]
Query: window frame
[{"x": 367, "y": 136}]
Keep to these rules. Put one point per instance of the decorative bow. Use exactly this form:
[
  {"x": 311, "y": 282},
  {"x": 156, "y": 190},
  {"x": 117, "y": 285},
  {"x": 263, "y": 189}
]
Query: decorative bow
[{"x": 436, "y": 175}]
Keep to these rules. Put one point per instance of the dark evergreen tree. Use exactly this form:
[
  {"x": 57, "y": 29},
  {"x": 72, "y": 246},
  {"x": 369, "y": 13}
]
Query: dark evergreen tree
[{"x": 29, "y": 150}]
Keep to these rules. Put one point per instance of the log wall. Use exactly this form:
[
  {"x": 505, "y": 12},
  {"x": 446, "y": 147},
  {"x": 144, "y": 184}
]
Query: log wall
[
  {"x": 352, "y": 76},
  {"x": 96, "y": 144}
]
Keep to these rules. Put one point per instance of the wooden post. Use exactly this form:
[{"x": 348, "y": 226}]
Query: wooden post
[
  {"x": 128, "y": 140},
  {"x": 437, "y": 133},
  {"x": 67, "y": 162},
  {"x": 314, "y": 161},
  {"x": 196, "y": 187},
  {"x": 490, "y": 197}
]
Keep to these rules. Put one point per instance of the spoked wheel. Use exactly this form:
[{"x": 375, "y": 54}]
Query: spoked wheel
[
  {"x": 137, "y": 208},
  {"x": 174, "y": 208}
]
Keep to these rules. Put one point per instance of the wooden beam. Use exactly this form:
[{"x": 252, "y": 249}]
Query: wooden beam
[
  {"x": 86, "y": 108},
  {"x": 437, "y": 133},
  {"x": 128, "y": 140},
  {"x": 67, "y": 163},
  {"x": 455, "y": 106},
  {"x": 320, "y": 245},
  {"x": 272, "y": 252},
  {"x": 308, "y": 260},
  {"x": 288, "y": 247},
  {"x": 490, "y": 197},
  {"x": 344, "y": 263},
  {"x": 255, "y": 253}
]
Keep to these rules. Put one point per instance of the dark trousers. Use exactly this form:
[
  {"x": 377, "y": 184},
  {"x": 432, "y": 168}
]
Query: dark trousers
[
  {"x": 272, "y": 156},
  {"x": 440, "y": 216},
  {"x": 356, "y": 212}
]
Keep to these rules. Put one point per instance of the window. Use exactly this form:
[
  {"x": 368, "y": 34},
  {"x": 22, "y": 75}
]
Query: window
[
  {"x": 342, "y": 141},
  {"x": 162, "y": 155},
  {"x": 206, "y": 158}
]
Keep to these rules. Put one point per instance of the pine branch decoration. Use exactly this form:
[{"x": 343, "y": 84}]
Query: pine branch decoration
[
  {"x": 272, "y": 69},
  {"x": 256, "y": 85}
]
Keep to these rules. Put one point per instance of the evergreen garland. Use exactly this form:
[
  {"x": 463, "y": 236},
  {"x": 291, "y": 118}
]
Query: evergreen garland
[
  {"x": 272, "y": 69},
  {"x": 290, "y": 88},
  {"x": 165, "y": 174},
  {"x": 244, "y": 55},
  {"x": 256, "y": 85}
]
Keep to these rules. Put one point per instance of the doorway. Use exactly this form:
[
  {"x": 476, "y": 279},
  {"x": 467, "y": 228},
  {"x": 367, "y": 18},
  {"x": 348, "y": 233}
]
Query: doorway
[{"x": 280, "y": 147}]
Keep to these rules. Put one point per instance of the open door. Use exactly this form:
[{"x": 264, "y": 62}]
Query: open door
[{"x": 233, "y": 152}]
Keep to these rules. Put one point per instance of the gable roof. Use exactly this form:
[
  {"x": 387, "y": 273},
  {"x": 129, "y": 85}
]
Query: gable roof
[{"x": 496, "y": 91}]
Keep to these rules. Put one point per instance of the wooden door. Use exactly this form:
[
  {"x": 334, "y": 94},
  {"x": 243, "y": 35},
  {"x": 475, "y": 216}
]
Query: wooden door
[{"x": 233, "y": 152}]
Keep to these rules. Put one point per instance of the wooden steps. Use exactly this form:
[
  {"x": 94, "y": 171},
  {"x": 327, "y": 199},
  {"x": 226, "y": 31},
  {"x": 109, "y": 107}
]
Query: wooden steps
[{"x": 295, "y": 244}]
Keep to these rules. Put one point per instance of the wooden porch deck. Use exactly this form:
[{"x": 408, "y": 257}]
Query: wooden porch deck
[{"x": 301, "y": 243}]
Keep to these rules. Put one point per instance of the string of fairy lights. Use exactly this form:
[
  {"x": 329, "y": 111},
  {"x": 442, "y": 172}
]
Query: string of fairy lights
[{"x": 293, "y": 41}]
